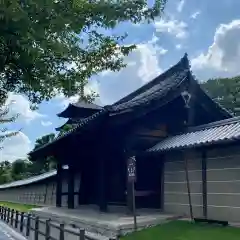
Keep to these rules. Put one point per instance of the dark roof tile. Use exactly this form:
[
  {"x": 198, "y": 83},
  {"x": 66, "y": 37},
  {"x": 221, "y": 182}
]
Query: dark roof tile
[{"x": 214, "y": 133}]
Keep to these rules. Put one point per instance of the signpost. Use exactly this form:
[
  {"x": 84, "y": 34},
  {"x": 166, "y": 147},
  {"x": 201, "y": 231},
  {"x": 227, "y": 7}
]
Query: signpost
[{"x": 131, "y": 170}]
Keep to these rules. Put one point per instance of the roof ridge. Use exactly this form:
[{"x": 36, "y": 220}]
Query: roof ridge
[
  {"x": 134, "y": 102},
  {"x": 182, "y": 64},
  {"x": 86, "y": 103},
  {"x": 29, "y": 180},
  {"x": 227, "y": 121},
  {"x": 86, "y": 121}
]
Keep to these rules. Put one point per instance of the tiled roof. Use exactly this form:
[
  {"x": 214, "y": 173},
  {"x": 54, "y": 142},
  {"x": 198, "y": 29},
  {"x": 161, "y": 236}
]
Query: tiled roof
[
  {"x": 85, "y": 108},
  {"x": 72, "y": 121},
  {"x": 214, "y": 133},
  {"x": 154, "y": 90},
  {"x": 29, "y": 180},
  {"x": 157, "y": 88},
  {"x": 83, "y": 123},
  {"x": 157, "y": 91},
  {"x": 83, "y": 104}
]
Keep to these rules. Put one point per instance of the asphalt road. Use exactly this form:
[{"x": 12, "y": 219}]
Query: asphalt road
[{"x": 7, "y": 233}]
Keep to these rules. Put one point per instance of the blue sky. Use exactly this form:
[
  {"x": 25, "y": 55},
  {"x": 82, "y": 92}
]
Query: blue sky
[{"x": 209, "y": 31}]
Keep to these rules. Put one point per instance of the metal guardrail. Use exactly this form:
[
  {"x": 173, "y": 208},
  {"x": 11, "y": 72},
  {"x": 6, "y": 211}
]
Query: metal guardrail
[{"x": 21, "y": 220}]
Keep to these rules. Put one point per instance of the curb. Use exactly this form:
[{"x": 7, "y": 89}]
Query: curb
[{"x": 10, "y": 232}]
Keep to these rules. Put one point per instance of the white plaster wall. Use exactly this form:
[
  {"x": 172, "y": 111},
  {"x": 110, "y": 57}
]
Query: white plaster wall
[
  {"x": 41, "y": 193},
  {"x": 36, "y": 194},
  {"x": 223, "y": 184},
  {"x": 175, "y": 184}
]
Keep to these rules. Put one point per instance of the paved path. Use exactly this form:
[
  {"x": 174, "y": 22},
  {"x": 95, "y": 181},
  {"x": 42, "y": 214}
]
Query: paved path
[{"x": 7, "y": 233}]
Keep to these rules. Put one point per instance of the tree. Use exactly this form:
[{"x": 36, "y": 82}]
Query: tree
[
  {"x": 19, "y": 169},
  {"x": 4, "y": 119},
  {"x": 226, "y": 91},
  {"x": 44, "y": 140},
  {"x": 47, "y": 47},
  {"x": 46, "y": 164},
  {"x": 5, "y": 178},
  {"x": 66, "y": 128},
  {"x": 5, "y": 172}
]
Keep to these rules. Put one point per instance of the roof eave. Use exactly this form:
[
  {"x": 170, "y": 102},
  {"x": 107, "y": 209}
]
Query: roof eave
[
  {"x": 68, "y": 112},
  {"x": 183, "y": 63},
  {"x": 64, "y": 112},
  {"x": 74, "y": 130},
  {"x": 196, "y": 146}
]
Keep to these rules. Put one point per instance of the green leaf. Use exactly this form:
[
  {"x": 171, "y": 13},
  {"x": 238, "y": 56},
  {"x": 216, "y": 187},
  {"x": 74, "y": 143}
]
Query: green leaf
[{"x": 39, "y": 40}]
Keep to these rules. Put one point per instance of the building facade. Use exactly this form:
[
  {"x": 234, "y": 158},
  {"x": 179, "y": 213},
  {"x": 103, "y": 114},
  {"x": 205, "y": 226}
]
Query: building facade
[
  {"x": 102, "y": 139},
  {"x": 212, "y": 155},
  {"x": 38, "y": 190}
]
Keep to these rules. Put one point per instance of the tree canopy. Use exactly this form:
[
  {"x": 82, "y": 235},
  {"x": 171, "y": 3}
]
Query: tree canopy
[
  {"x": 48, "y": 47},
  {"x": 226, "y": 91},
  {"x": 46, "y": 164},
  {"x": 44, "y": 140},
  {"x": 24, "y": 168},
  {"x": 5, "y": 119}
]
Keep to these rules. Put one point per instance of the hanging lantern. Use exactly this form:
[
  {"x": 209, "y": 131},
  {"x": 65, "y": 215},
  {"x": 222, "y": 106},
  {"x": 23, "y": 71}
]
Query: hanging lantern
[{"x": 187, "y": 98}]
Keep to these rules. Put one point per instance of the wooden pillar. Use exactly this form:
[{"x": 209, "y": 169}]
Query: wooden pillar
[
  {"x": 71, "y": 182},
  {"x": 80, "y": 188},
  {"x": 82, "y": 193},
  {"x": 59, "y": 185},
  {"x": 162, "y": 181},
  {"x": 204, "y": 183},
  {"x": 102, "y": 182}
]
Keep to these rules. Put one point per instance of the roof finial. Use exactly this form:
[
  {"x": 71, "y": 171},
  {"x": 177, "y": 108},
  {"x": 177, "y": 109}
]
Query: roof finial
[{"x": 185, "y": 61}]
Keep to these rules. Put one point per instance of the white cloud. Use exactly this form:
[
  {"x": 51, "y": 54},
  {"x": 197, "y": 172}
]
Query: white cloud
[
  {"x": 149, "y": 65},
  {"x": 105, "y": 72},
  {"x": 142, "y": 66},
  {"x": 195, "y": 14},
  {"x": 15, "y": 148},
  {"x": 162, "y": 51},
  {"x": 180, "y": 5},
  {"x": 224, "y": 54},
  {"x": 92, "y": 86},
  {"x": 46, "y": 123},
  {"x": 153, "y": 42},
  {"x": 178, "y": 46},
  {"x": 18, "y": 104},
  {"x": 173, "y": 27},
  {"x": 65, "y": 101}
]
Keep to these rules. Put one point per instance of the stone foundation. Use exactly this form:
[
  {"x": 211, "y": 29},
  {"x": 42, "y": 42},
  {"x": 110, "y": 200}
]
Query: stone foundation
[{"x": 105, "y": 224}]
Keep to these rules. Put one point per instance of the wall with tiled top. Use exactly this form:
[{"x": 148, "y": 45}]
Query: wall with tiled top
[
  {"x": 42, "y": 193},
  {"x": 223, "y": 184}
]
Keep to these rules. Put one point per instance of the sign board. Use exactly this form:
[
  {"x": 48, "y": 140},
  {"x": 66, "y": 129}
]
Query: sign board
[{"x": 131, "y": 169}]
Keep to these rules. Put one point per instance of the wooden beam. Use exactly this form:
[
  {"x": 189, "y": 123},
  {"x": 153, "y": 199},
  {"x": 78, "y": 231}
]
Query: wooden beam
[
  {"x": 147, "y": 137},
  {"x": 204, "y": 183},
  {"x": 66, "y": 193},
  {"x": 156, "y": 132},
  {"x": 59, "y": 185}
]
